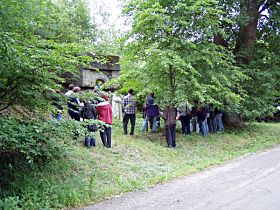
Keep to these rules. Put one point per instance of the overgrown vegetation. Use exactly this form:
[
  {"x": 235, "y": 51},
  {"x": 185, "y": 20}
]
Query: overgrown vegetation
[
  {"x": 213, "y": 51},
  {"x": 219, "y": 52},
  {"x": 83, "y": 176}
]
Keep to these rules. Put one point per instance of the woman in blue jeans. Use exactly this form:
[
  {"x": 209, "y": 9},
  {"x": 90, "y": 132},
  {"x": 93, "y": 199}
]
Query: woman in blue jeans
[
  {"x": 218, "y": 120},
  {"x": 201, "y": 118}
]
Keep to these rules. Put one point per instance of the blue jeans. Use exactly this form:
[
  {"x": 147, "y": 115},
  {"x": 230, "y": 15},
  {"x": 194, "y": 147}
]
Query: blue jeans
[
  {"x": 219, "y": 122},
  {"x": 146, "y": 121},
  {"x": 202, "y": 128},
  {"x": 89, "y": 141},
  {"x": 57, "y": 118}
]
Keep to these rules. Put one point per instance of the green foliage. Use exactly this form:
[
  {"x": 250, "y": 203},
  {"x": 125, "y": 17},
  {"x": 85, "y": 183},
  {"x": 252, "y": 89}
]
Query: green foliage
[
  {"x": 40, "y": 42},
  {"x": 35, "y": 141},
  {"x": 84, "y": 175},
  {"x": 190, "y": 50},
  {"x": 171, "y": 52}
]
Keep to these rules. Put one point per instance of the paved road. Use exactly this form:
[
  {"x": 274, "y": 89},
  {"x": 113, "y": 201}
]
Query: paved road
[{"x": 251, "y": 182}]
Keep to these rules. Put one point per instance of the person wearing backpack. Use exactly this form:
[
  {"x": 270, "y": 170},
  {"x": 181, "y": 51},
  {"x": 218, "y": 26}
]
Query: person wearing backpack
[{"x": 89, "y": 112}]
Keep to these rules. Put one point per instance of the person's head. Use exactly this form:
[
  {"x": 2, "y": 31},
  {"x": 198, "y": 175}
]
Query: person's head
[
  {"x": 71, "y": 87},
  {"x": 76, "y": 89},
  {"x": 105, "y": 97},
  {"x": 130, "y": 91},
  {"x": 58, "y": 91}
]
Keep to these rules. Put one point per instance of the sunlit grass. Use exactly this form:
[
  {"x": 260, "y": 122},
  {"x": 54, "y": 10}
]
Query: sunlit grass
[{"x": 90, "y": 175}]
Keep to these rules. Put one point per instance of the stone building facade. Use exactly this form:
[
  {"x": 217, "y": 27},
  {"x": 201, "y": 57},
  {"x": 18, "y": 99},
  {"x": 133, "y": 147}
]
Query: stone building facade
[{"x": 101, "y": 71}]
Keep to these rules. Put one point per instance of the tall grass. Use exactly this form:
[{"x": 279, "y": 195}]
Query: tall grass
[{"x": 86, "y": 176}]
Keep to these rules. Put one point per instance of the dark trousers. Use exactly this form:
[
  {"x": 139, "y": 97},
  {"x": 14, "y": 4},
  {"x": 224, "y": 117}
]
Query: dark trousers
[
  {"x": 105, "y": 134},
  {"x": 131, "y": 118},
  {"x": 211, "y": 125},
  {"x": 186, "y": 126},
  {"x": 170, "y": 133}
]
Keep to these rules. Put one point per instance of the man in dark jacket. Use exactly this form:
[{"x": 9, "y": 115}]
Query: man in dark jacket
[
  {"x": 89, "y": 112},
  {"x": 169, "y": 116}
]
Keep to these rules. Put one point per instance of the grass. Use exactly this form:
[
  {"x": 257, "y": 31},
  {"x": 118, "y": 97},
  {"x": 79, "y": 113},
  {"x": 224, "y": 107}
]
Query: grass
[{"x": 86, "y": 176}]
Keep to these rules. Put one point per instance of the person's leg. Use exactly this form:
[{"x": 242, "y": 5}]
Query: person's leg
[
  {"x": 202, "y": 128},
  {"x": 210, "y": 124},
  {"x": 103, "y": 136},
  {"x": 125, "y": 122},
  {"x": 92, "y": 142},
  {"x": 145, "y": 124},
  {"x": 154, "y": 127},
  {"x": 87, "y": 141},
  {"x": 150, "y": 123},
  {"x": 168, "y": 137},
  {"x": 158, "y": 122},
  {"x": 59, "y": 117},
  {"x": 173, "y": 135},
  {"x": 109, "y": 134},
  {"x": 206, "y": 126},
  {"x": 188, "y": 127},
  {"x": 214, "y": 124},
  {"x": 183, "y": 120},
  {"x": 221, "y": 125},
  {"x": 132, "y": 121}
]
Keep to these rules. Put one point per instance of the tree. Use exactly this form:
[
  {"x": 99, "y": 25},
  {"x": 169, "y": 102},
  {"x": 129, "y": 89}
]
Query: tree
[
  {"x": 40, "y": 40},
  {"x": 252, "y": 37},
  {"x": 210, "y": 51},
  {"x": 171, "y": 43}
]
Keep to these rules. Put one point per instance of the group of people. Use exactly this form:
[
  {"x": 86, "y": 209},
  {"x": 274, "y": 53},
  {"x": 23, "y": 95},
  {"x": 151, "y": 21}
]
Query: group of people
[
  {"x": 204, "y": 119},
  {"x": 99, "y": 109}
]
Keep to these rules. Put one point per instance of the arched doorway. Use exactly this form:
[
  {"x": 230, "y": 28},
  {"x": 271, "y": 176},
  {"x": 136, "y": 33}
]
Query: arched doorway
[{"x": 99, "y": 83}]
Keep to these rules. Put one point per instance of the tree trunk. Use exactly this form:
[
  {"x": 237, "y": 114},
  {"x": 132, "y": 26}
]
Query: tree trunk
[
  {"x": 171, "y": 75},
  {"x": 248, "y": 31}
]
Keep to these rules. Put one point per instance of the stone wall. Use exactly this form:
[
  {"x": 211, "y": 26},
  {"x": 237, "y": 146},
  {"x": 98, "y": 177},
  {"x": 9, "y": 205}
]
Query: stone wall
[{"x": 99, "y": 71}]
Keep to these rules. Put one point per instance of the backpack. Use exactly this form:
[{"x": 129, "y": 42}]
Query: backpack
[{"x": 86, "y": 112}]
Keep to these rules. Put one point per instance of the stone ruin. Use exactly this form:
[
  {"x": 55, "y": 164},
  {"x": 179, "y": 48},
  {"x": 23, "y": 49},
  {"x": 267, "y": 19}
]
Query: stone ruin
[{"x": 102, "y": 69}]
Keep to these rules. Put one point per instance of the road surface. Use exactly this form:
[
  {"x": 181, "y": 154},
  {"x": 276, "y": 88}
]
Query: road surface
[{"x": 251, "y": 182}]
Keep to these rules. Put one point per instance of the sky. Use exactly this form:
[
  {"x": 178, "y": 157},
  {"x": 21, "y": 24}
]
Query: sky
[{"x": 113, "y": 8}]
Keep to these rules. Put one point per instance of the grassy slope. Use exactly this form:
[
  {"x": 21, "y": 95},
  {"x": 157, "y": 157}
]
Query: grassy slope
[{"x": 90, "y": 175}]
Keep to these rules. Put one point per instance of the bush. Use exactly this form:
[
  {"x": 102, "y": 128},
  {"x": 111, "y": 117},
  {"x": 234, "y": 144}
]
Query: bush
[{"x": 32, "y": 141}]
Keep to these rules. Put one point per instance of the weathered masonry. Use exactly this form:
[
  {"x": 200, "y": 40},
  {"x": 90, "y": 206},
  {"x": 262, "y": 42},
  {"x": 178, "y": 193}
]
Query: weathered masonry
[{"x": 101, "y": 71}]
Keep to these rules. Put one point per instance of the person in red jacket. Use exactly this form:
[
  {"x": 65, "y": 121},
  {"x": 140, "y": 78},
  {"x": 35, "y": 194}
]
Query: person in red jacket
[{"x": 104, "y": 111}]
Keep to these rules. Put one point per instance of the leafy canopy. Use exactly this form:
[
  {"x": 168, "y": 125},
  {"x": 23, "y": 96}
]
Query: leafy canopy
[{"x": 171, "y": 52}]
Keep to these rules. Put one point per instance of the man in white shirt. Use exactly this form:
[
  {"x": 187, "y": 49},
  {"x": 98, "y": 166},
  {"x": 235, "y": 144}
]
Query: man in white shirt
[{"x": 70, "y": 90}]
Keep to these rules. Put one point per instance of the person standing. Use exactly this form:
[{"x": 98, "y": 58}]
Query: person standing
[
  {"x": 104, "y": 111},
  {"x": 152, "y": 111},
  {"x": 89, "y": 113},
  {"x": 218, "y": 120},
  {"x": 57, "y": 102},
  {"x": 117, "y": 106},
  {"x": 129, "y": 112},
  {"x": 185, "y": 117},
  {"x": 202, "y": 121},
  {"x": 74, "y": 104},
  {"x": 70, "y": 90},
  {"x": 169, "y": 116}
]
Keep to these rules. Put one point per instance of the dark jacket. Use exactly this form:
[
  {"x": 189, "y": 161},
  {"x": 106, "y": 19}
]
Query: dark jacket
[
  {"x": 201, "y": 116},
  {"x": 169, "y": 116},
  {"x": 89, "y": 111},
  {"x": 152, "y": 110}
]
